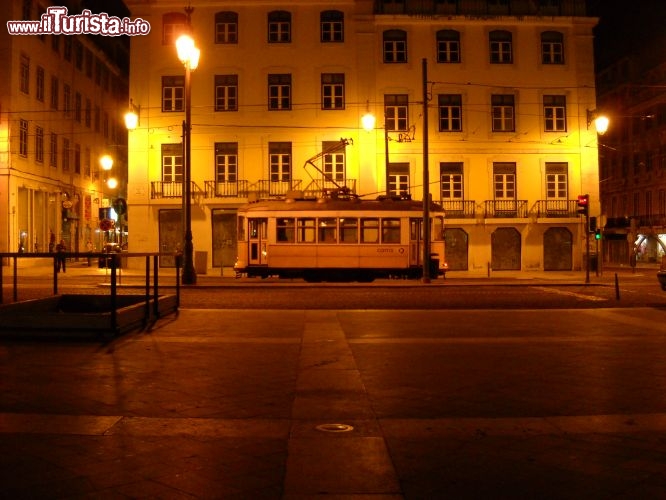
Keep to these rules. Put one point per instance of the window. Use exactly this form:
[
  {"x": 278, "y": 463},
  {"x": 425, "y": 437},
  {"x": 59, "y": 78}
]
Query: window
[
  {"x": 173, "y": 25},
  {"x": 55, "y": 43},
  {"x": 398, "y": 179},
  {"x": 172, "y": 162},
  {"x": 503, "y": 113},
  {"x": 279, "y": 92},
  {"x": 24, "y": 75},
  {"x": 77, "y": 159},
  {"x": 504, "y": 181},
  {"x": 556, "y": 181},
  {"x": 173, "y": 93},
  {"x": 500, "y": 47},
  {"x": 226, "y": 162},
  {"x": 396, "y": 112},
  {"x": 328, "y": 230},
  {"x": 53, "y": 151},
  {"x": 332, "y": 91},
  {"x": 54, "y": 92},
  {"x": 448, "y": 46},
  {"x": 97, "y": 119},
  {"x": 67, "y": 99},
  {"x": 554, "y": 113},
  {"x": 88, "y": 112},
  {"x": 40, "y": 84},
  {"x": 23, "y": 138},
  {"x": 39, "y": 144},
  {"x": 279, "y": 161},
  {"x": 78, "y": 55},
  {"x": 390, "y": 230},
  {"x": 67, "y": 51},
  {"x": 285, "y": 230},
  {"x": 450, "y": 112},
  {"x": 87, "y": 162},
  {"x": 77, "y": 107},
  {"x": 89, "y": 64},
  {"x": 332, "y": 24},
  {"x": 27, "y": 10},
  {"x": 369, "y": 230},
  {"x": 349, "y": 230},
  {"x": 552, "y": 47},
  {"x": 226, "y": 27},
  {"x": 65, "y": 155},
  {"x": 451, "y": 178},
  {"x": 306, "y": 230},
  {"x": 279, "y": 27},
  {"x": 226, "y": 92},
  {"x": 395, "y": 46},
  {"x": 334, "y": 162}
]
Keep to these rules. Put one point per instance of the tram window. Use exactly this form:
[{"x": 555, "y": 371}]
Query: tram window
[
  {"x": 328, "y": 229},
  {"x": 390, "y": 230},
  {"x": 306, "y": 230},
  {"x": 254, "y": 228},
  {"x": 241, "y": 228},
  {"x": 438, "y": 229},
  {"x": 349, "y": 230},
  {"x": 369, "y": 230},
  {"x": 286, "y": 230}
]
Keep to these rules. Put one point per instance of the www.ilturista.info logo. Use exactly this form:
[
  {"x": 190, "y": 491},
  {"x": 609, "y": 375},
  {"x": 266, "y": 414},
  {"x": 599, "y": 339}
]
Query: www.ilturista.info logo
[{"x": 56, "y": 21}]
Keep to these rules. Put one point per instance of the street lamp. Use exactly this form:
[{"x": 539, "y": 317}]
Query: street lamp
[
  {"x": 368, "y": 122},
  {"x": 132, "y": 116},
  {"x": 599, "y": 121},
  {"x": 189, "y": 56}
]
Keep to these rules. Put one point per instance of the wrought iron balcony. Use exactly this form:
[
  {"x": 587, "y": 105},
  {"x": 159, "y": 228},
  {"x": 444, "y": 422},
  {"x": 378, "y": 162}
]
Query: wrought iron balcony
[
  {"x": 555, "y": 209},
  {"x": 459, "y": 209},
  {"x": 320, "y": 187},
  {"x": 234, "y": 189},
  {"x": 273, "y": 189},
  {"x": 170, "y": 189},
  {"x": 505, "y": 209}
]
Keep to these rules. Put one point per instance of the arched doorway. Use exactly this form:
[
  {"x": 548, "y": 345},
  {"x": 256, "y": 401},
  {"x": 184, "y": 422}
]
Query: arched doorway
[
  {"x": 557, "y": 249},
  {"x": 505, "y": 249}
]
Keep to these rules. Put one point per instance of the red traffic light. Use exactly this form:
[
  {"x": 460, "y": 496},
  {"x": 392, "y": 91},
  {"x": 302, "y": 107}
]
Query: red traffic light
[{"x": 583, "y": 201}]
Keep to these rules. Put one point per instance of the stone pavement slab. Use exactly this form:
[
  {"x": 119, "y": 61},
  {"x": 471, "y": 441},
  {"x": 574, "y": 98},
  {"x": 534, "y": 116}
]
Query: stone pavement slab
[{"x": 343, "y": 405}]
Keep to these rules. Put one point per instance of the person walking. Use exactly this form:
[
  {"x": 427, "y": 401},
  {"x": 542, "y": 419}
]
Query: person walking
[{"x": 61, "y": 262}]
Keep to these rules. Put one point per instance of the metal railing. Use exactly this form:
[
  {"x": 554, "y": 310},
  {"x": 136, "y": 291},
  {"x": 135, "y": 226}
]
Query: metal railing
[
  {"x": 112, "y": 261},
  {"x": 505, "y": 208},
  {"x": 235, "y": 189}
]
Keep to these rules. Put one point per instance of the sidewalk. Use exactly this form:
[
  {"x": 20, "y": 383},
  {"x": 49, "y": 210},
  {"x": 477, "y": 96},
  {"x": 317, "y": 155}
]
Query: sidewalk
[{"x": 214, "y": 277}]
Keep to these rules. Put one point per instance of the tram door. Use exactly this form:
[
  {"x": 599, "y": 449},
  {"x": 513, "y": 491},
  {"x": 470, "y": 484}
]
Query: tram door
[
  {"x": 415, "y": 242},
  {"x": 258, "y": 229}
]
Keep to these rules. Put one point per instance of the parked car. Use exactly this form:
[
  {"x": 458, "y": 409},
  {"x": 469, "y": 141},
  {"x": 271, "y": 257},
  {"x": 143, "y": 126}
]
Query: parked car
[
  {"x": 109, "y": 248},
  {"x": 661, "y": 274}
]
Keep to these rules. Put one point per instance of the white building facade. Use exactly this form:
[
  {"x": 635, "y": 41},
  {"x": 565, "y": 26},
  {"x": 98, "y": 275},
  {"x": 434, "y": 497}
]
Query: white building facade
[
  {"x": 59, "y": 103},
  {"x": 279, "y": 95}
]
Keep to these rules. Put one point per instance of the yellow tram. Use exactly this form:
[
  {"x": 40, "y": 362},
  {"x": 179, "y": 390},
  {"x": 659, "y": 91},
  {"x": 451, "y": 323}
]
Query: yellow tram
[{"x": 338, "y": 238}]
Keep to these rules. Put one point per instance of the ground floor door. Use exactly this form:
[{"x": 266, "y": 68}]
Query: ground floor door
[
  {"x": 505, "y": 249},
  {"x": 171, "y": 236},
  {"x": 224, "y": 238},
  {"x": 557, "y": 249}
]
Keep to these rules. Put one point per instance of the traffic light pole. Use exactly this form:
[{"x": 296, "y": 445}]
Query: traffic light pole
[{"x": 587, "y": 246}]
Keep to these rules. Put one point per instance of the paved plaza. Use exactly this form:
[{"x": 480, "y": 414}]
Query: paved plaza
[{"x": 342, "y": 404}]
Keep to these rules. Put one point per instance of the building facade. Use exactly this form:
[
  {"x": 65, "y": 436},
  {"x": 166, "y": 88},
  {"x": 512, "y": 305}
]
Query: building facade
[
  {"x": 59, "y": 113},
  {"x": 280, "y": 94},
  {"x": 633, "y": 160}
]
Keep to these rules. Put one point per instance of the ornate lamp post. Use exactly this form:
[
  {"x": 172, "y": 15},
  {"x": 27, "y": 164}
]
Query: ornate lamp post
[{"x": 189, "y": 56}]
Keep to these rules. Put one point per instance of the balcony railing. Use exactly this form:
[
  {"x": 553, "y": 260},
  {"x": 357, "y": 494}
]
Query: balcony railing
[
  {"x": 555, "y": 208},
  {"x": 320, "y": 187},
  {"x": 168, "y": 189},
  {"x": 272, "y": 189},
  {"x": 459, "y": 209},
  {"x": 505, "y": 208},
  {"x": 235, "y": 189}
]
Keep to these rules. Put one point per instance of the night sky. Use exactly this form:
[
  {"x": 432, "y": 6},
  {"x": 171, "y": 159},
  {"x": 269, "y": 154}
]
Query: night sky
[{"x": 629, "y": 27}]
